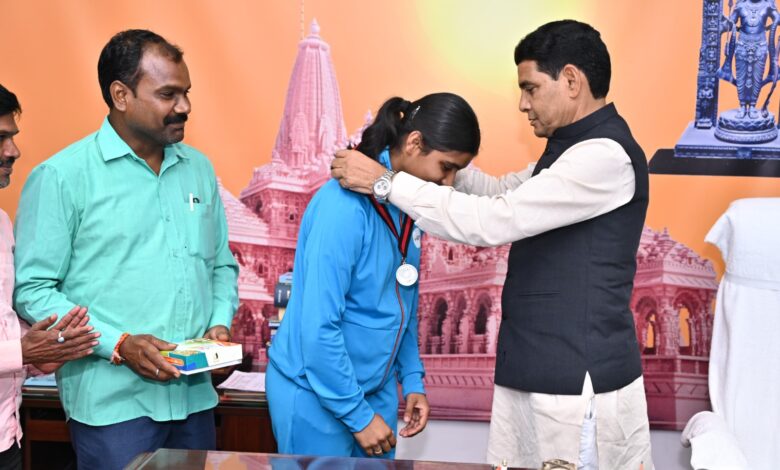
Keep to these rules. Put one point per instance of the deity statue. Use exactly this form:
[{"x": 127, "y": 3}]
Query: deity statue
[
  {"x": 751, "y": 27},
  {"x": 740, "y": 52}
]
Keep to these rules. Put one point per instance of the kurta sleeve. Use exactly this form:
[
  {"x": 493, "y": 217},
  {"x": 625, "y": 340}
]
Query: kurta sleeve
[{"x": 591, "y": 178}]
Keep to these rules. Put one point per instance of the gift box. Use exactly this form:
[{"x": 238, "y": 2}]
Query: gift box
[{"x": 201, "y": 354}]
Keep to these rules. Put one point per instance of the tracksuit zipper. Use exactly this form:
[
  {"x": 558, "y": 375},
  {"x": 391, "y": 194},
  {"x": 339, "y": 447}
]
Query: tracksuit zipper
[{"x": 397, "y": 337}]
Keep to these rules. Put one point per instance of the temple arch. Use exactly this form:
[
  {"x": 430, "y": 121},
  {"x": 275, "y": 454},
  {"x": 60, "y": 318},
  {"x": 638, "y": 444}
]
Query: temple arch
[{"x": 650, "y": 335}]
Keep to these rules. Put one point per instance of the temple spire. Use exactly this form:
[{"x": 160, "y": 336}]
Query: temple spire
[{"x": 312, "y": 126}]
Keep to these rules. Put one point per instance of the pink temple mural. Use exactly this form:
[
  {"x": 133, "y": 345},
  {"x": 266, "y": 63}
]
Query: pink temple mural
[
  {"x": 673, "y": 296},
  {"x": 460, "y": 286}
]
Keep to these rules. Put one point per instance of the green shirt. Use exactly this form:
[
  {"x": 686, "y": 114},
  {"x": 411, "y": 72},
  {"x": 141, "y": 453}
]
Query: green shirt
[{"x": 98, "y": 228}]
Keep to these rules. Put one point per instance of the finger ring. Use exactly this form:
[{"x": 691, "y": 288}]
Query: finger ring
[
  {"x": 60, "y": 338},
  {"x": 377, "y": 451},
  {"x": 157, "y": 372}
]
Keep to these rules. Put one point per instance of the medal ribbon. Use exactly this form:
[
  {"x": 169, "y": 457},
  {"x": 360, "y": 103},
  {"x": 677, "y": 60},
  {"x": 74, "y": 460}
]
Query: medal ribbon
[{"x": 406, "y": 227}]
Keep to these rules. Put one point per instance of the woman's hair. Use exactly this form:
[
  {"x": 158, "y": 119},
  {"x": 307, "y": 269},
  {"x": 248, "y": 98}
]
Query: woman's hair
[{"x": 447, "y": 123}]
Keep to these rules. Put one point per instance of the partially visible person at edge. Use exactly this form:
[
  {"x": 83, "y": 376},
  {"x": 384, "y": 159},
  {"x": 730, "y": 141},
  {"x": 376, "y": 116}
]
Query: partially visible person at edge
[
  {"x": 568, "y": 380},
  {"x": 129, "y": 221},
  {"x": 43, "y": 346},
  {"x": 349, "y": 335}
]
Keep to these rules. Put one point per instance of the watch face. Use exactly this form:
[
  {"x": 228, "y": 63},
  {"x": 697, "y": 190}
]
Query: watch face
[{"x": 382, "y": 187}]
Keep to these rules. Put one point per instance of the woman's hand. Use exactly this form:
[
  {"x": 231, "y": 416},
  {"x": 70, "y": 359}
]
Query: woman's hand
[
  {"x": 416, "y": 414},
  {"x": 377, "y": 438}
]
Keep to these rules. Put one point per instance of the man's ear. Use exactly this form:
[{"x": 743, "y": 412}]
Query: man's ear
[
  {"x": 574, "y": 78},
  {"x": 119, "y": 94}
]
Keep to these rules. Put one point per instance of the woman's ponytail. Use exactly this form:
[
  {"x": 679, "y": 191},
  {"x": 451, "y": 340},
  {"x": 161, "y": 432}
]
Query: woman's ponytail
[{"x": 386, "y": 129}]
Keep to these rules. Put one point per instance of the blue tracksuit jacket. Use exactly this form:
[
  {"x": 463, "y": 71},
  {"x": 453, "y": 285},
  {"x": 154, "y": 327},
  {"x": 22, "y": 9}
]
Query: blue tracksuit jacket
[{"x": 349, "y": 327}]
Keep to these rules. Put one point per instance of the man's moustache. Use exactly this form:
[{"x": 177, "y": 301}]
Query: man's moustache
[{"x": 175, "y": 119}]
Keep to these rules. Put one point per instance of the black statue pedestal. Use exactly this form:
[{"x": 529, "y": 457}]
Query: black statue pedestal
[{"x": 665, "y": 163}]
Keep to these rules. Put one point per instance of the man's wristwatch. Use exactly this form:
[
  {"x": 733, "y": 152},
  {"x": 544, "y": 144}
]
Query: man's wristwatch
[{"x": 381, "y": 187}]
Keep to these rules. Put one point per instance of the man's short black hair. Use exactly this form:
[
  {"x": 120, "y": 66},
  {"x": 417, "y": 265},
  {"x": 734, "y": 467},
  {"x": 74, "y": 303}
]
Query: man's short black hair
[
  {"x": 121, "y": 56},
  {"x": 558, "y": 43},
  {"x": 8, "y": 103}
]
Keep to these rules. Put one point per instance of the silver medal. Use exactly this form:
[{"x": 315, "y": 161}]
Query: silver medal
[{"x": 406, "y": 274}]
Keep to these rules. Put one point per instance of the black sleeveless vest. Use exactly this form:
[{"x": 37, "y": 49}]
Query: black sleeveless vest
[{"x": 566, "y": 297}]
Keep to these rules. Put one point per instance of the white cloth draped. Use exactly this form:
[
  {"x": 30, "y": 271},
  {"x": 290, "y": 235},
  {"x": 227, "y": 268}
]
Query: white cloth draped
[{"x": 744, "y": 374}]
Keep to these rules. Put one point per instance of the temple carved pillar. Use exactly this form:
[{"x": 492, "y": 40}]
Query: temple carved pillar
[
  {"x": 464, "y": 338},
  {"x": 424, "y": 325},
  {"x": 446, "y": 335},
  {"x": 667, "y": 338},
  {"x": 491, "y": 332}
]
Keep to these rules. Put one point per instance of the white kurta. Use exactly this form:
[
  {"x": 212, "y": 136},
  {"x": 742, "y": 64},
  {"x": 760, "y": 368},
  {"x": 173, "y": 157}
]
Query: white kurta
[{"x": 744, "y": 375}]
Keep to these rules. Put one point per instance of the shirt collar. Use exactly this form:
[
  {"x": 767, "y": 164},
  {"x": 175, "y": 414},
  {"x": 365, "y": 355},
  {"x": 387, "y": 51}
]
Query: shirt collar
[
  {"x": 585, "y": 124},
  {"x": 384, "y": 158},
  {"x": 112, "y": 146}
]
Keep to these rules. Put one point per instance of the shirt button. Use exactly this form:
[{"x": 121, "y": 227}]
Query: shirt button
[{"x": 167, "y": 218}]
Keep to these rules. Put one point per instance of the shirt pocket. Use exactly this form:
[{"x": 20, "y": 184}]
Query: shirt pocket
[
  {"x": 370, "y": 350},
  {"x": 200, "y": 231}
]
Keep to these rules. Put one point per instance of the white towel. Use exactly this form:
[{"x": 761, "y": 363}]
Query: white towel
[{"x": 713, "y": 447}]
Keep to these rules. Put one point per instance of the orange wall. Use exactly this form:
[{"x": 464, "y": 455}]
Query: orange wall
[{"x": 241, "y": 52}]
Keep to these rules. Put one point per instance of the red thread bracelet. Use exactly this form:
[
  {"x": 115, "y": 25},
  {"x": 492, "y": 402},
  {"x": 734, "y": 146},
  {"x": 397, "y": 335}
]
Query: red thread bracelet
[{"x": 116, "y": 359}]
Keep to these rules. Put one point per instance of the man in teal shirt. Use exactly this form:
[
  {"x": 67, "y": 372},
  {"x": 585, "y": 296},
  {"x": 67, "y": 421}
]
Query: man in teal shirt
[{"x": 129, "y": 222}]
